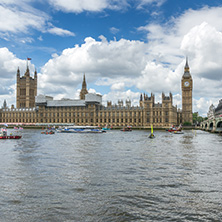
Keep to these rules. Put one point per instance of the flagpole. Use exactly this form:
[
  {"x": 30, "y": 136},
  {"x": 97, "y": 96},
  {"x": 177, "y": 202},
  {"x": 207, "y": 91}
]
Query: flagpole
[{"x": 28, "y": 60}]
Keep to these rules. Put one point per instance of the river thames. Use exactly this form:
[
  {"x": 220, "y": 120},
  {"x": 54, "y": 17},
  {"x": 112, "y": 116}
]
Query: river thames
[{"x": 115, "y": 176}]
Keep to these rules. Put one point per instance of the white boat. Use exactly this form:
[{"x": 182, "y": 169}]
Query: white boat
[{"x": 80, "y": 129}]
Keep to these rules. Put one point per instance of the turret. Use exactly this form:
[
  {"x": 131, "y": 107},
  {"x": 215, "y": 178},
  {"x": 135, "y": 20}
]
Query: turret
[
  {"x": 27, "y": 73},
  {"x": 141, "y": 97},
  {"x": 18, "y": 73},
  {"x": 109, "y": 103},
  {"x": 128, "y": 103},
  {"x": 4, "y": 105},
  {"x": 35, "y": 75},
  {"x": 120, "y": 103}
]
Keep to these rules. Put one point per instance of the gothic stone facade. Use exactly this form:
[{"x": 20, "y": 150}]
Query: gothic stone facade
[
  {"x": 187, "y": 89},
  {"x": 26, "y": 90},
  {"x": 89, "y": 110}
]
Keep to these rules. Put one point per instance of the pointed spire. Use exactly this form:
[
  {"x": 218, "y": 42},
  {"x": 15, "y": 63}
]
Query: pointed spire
[
  {"x": 186, "y": 69},
  {"x": 5, "y": 104},
  {"x": 84, "y": 88},
  {"x": 186, "y": 65},
  {"x": 84, "y": 82},
  {"x": 27, "y": 73},
  {"x": 18, "y": 72},
  {"x": 35, "y": 74}
]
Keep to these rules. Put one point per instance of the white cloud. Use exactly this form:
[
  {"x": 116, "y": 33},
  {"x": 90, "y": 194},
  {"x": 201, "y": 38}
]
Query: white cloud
[
  {"x": 114, "y": 96},
  {"x": 60, "y": 32},
  {"x": 114, "y": 30},
  {"x": 78, "y": 6},
  {"x": 20, "y": 17},
  {"x": 113, "y": 60},
  {"x": 143, "y": 3},
  {"x": 204, "y": 43},
  {"x": 118, "y": 86},
  {"x": 19, "y": 20}
]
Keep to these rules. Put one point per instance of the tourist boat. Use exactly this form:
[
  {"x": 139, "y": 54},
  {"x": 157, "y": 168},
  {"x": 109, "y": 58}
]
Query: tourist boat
[
  {"x": 3, "y": 135},
  {"x": 173, "y": 128},
  {"x": 80, "y": 129},
  {"x": 126, "y": 129}
]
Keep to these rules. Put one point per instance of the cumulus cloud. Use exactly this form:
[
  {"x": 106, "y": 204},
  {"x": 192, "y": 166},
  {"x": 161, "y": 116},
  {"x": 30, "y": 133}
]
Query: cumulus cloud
[
  {"x": 98, "y": 59},
  {"x": 78, "y": 6},
  {"x": 20, "y": 17},
  {"x": 15, "y": 20},
  {"x": 204, "y": 43}
]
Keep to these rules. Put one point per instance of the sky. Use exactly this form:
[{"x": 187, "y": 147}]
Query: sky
[{"x": 124, "y": 48}]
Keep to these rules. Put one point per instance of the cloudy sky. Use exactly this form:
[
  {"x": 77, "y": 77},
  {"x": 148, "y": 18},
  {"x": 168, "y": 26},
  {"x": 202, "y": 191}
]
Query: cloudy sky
[{"x": 124, "y": 47}]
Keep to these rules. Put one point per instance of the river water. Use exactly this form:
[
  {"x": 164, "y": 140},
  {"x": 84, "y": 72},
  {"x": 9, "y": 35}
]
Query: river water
[{"x": 115, "y": 176}]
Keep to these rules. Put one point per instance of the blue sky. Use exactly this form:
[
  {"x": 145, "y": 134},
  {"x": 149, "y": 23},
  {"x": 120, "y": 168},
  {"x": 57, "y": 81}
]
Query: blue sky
[{"x": 124, "y": 47}]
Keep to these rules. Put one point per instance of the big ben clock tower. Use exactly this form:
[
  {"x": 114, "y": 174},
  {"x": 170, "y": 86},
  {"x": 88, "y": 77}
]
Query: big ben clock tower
[{"x": 187, "y": 88}]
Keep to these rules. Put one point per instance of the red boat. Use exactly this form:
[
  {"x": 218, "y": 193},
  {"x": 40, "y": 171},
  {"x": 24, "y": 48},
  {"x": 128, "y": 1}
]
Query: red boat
[
  {"x": 10, "y": 137},
  {"x": 173, "y": 129},
  {"x": 3, "y": 135}
]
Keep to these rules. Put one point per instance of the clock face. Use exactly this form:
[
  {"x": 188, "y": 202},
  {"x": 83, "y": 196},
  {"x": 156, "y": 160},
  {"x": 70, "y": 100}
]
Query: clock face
[{"x": 186, "y": 84}]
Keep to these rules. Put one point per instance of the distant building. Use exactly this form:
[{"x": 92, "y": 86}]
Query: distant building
[
  {"x": 88, "y": 109},
  {"x": 211, "y": 112},
  {"x": 218, "y": 110}
]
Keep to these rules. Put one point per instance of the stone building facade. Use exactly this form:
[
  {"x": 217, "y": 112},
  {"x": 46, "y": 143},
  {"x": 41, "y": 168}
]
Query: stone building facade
[
  {"x": 187, "y": 98},
  {"x": 26, "y": 90},
  {"x": 89, "y": 109},
  {"x": 211, "y": 112},
  {"x": 218, "y": 109}
]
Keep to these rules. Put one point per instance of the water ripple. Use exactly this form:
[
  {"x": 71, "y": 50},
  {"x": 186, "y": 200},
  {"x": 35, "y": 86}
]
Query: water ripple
[{"x": 111, "y": 177}]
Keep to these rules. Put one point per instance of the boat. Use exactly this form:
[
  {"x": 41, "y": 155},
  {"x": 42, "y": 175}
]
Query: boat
[
  {"x": 126, "y": 129},
  {"x": 151, "y": 136},
  {"x": 4, "y": 135},
  {"x": 80, "y": 129},
  {"x": 106, "y": 128},
  {"x": 48, "y": 132},
  {"x": 173, "y": 128}
]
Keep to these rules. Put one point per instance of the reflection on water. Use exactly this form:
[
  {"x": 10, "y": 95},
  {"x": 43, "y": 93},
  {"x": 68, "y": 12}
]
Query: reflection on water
[{"x": 115, "y": 176}]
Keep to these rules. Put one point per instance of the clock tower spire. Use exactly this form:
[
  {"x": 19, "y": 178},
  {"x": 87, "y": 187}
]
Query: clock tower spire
[{"x": 187, "y": 89}]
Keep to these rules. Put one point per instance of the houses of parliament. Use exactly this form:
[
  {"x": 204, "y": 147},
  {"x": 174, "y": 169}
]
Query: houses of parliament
[{"x": 32, "y": 109}]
